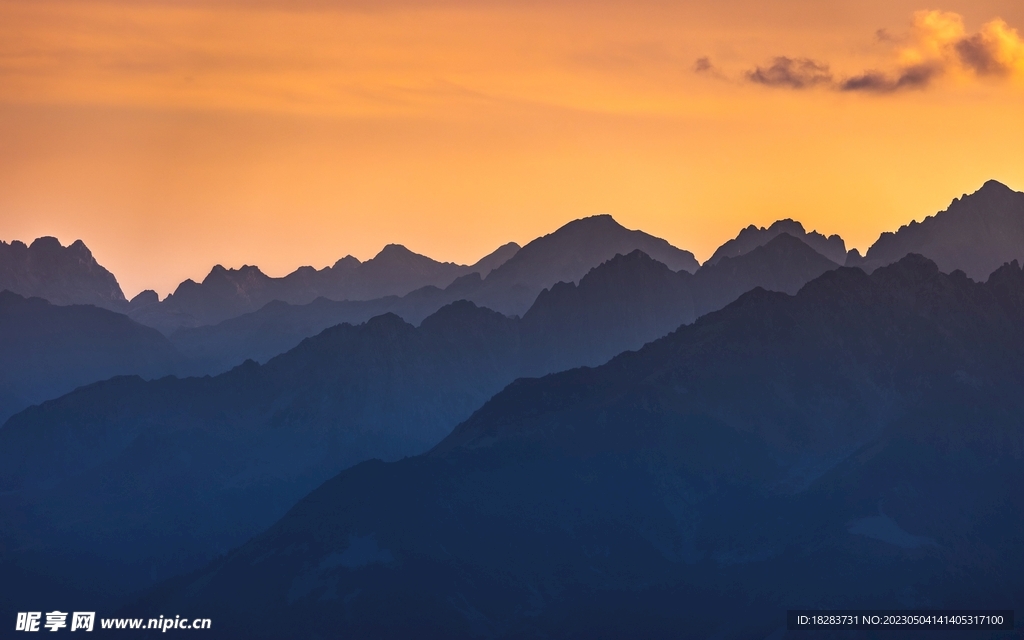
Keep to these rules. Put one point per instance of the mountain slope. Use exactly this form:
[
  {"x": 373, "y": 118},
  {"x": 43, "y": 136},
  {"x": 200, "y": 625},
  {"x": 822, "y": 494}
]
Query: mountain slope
[
  {"x": 62, "y": 275},
  {"x": 868, "y": 427},
  {"x": 752, "y": 237},
  {"x": 976, "y": 234},
  {"x": 48, "y": 350}
]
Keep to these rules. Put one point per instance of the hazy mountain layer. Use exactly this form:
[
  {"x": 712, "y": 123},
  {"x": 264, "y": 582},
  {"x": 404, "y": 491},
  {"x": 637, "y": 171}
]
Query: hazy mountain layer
[
  {"x": 227, "y": 293},
  {"x": 566, "y": 255},
  {"x": 614, "y": 309},
  {"x": 785, "y": 264},
  {"x": 47, "y": 350},
  {"x": 858, "y": 445},
  {"x": 976, "y": 234},
  {"x": 62, "y": 275},
  {"x": 752, "y": 237}
]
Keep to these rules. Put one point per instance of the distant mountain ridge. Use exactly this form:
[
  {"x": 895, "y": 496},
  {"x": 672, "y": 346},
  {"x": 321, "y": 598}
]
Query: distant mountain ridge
[
  {"x": 566, "y": 255},
  {"x": 976, "y": 234},
  {"x": 227, "y": 293},
  {"x": 637, "y": 285},
  {"x": 62, "y": 275},
  {"x": 508, "y": 280},
  {"x": 752, "y": 237}
]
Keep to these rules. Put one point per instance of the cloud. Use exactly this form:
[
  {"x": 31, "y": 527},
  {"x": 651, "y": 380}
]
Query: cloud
[
  {"x": 705, "y": 67},
  {"x": 916, "y": 77},
  {"x": 797, "y": 73},
  {"x": 937, "y": 46}
]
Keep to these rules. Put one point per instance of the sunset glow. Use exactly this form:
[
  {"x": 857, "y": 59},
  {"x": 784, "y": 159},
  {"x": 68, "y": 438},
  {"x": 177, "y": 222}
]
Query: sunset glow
[{"x": 170, "y": 136}]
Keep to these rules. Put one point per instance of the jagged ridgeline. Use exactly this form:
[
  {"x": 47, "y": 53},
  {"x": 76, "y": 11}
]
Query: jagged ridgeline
[{"x": 771, "y": 415}]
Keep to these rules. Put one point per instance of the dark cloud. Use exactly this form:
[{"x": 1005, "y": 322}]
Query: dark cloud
[
  {"x": 705, "y": 67},
  {"x": 791, "y": 73},
  {"x": 981, "y": 56},
  {"x": 915, "y": 77}
]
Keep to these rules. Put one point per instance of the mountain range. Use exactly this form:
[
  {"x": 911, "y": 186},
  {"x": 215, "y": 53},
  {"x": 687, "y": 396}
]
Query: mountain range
[
  {"x": 277, "y": 327},
  {"x": 741, "y": 431},
  {"x": 857, "y": 445},
  {"x": 226, "y": 293},
  {"x": 195, "y": 466}
]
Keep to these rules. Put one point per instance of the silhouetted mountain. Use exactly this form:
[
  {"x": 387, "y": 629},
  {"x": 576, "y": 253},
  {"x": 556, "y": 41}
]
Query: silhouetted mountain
[
  {"x": 623, "y": 304},
  {"x": 632, "y": 300},
  {"x": 858, "y": 445},
  {"x": 976, "y": 234},
  {"x": 784, "y": 264},
  {"x": 495, "y": 259},
  {"x": 566, "y": 255},
  {"x": 752, "y": 237},
  {"x": 228, "y": 293},
  {"x": 62, "y": 275},
  {"x": 509, "y": 279},
  {"x": 215, "y": 459},
  {"x": 48, "y": 350},
  {"x": 632, "y": 306}
]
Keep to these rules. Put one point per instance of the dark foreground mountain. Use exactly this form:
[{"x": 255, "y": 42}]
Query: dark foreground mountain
[
  {"x": 48, "y": 350},
  {"x": 858, "y": 445},
  {"x": 227, "y": 293},
  {"x": 62, "y": 275},
  {"x": 645, "y": 303},
  {"x": 976, "y": 234},
  {"x": 156, "y": 478}
]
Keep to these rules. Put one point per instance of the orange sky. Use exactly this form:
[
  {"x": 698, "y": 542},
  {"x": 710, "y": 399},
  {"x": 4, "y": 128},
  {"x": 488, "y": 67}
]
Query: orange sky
[{"x": 174, "y": 135}]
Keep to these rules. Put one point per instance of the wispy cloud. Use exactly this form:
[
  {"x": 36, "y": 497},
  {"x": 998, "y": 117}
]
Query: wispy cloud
[{"x": 937, "y": 46}]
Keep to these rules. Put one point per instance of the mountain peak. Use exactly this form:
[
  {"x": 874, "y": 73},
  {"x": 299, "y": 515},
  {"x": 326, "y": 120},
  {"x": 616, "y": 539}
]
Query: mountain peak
[
  {"x": 62, "y": 275},
  {"x": 598, "y": 221},
  {"x": 976, "y": 234},
  {"x": 392, "y": 250},
  {"x": 912, "y": 264},
  {"x": 994, "y": 185},
  {"x": 832, "y": 247}
]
